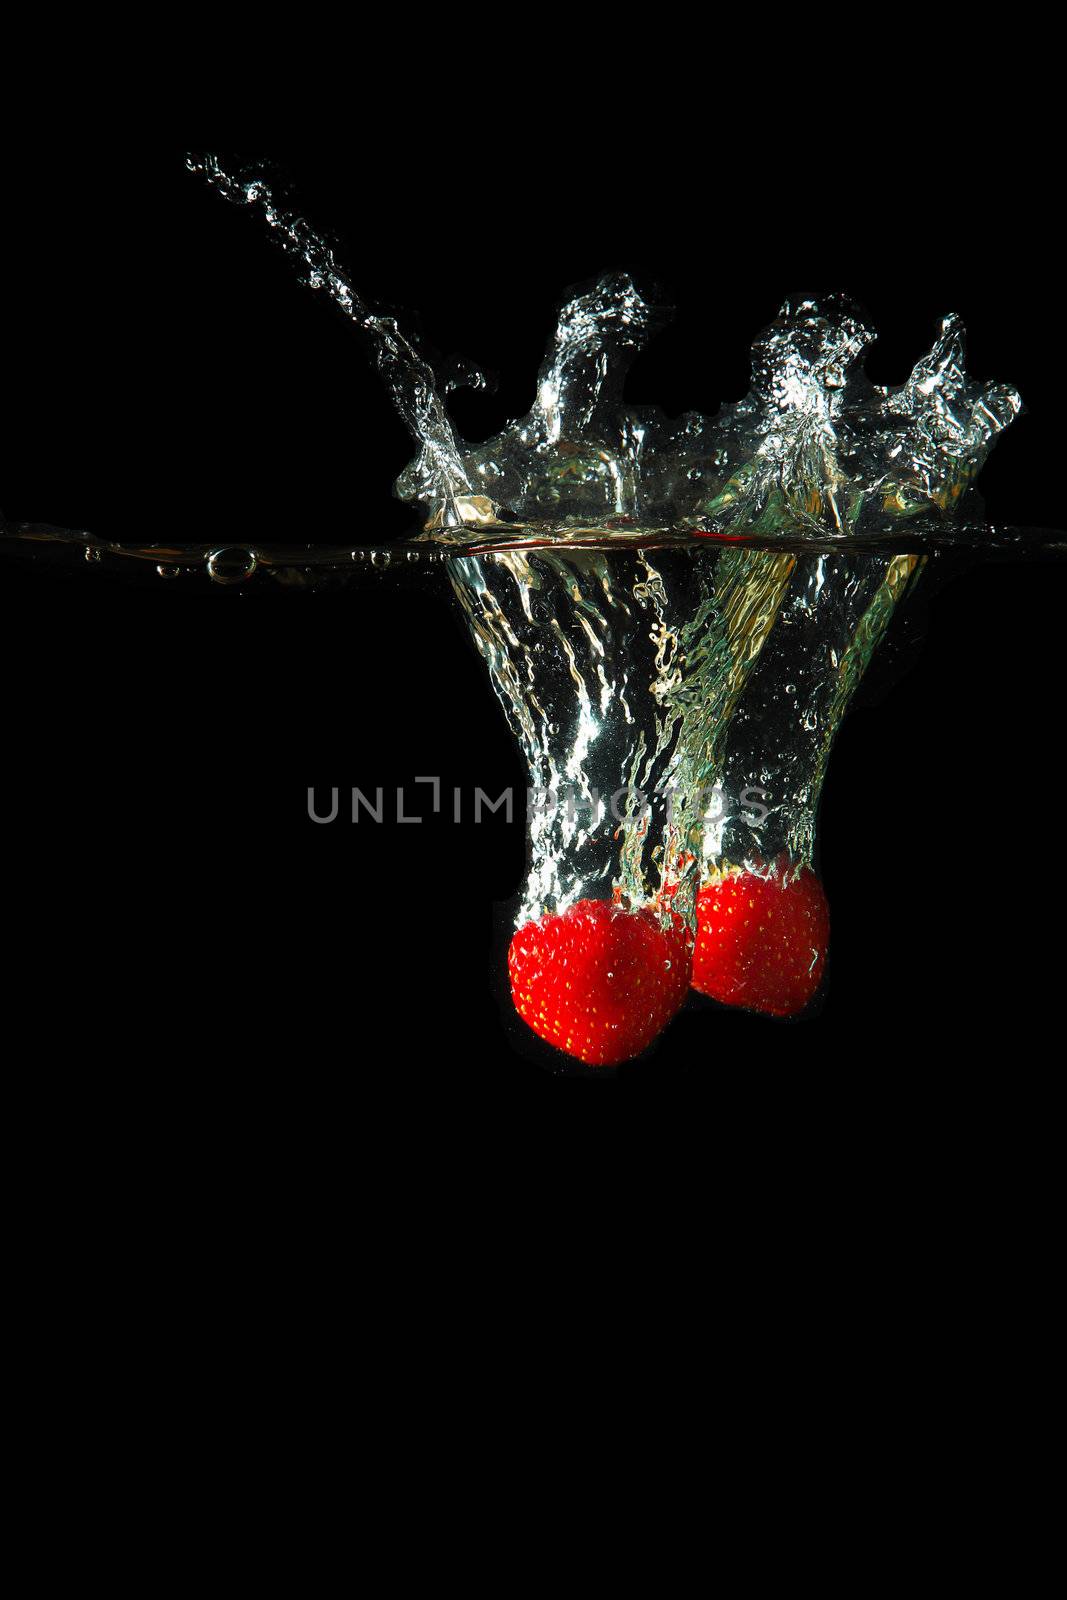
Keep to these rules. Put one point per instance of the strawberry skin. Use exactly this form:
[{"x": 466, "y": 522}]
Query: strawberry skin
[
  {"x": 598, "y": 981},
  {"x": 762, "y": 940}
]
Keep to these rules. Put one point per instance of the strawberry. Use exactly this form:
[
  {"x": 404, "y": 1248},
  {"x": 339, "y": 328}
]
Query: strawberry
[
  {"x": 598, "y": 981},
  {"x": 762, "y": 939}
]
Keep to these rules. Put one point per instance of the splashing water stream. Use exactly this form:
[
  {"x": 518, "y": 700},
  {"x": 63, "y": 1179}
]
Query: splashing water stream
[{"x": 438, "y": 470}]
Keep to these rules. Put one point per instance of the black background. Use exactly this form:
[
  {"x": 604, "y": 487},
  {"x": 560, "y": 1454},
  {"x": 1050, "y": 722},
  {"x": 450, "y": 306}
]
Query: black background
[{"x": 166, "y": 376}]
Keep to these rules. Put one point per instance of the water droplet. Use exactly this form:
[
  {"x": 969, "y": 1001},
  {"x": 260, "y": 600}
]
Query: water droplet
[
  {"x": 379, "y": 558},
  {"x": 91, "y": 553},
  {"x": 168, "y": 572},
  {"x": 231, "y": 564}
]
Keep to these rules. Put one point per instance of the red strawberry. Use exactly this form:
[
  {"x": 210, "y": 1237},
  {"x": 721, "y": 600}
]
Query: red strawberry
[
  {"x": 762, "y": 940},
  {"x": 598, "y": 981}
]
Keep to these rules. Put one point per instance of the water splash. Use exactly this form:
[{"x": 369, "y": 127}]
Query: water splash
[
  {"x": 817, "y": 447},
  {"x": 813, "y": 448},
  {"x": 577, "y": 455},
  {"x": 438, "y": 471}
]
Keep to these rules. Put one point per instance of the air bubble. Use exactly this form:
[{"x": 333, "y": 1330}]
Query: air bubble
[{"x": 231, "y": 564}]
